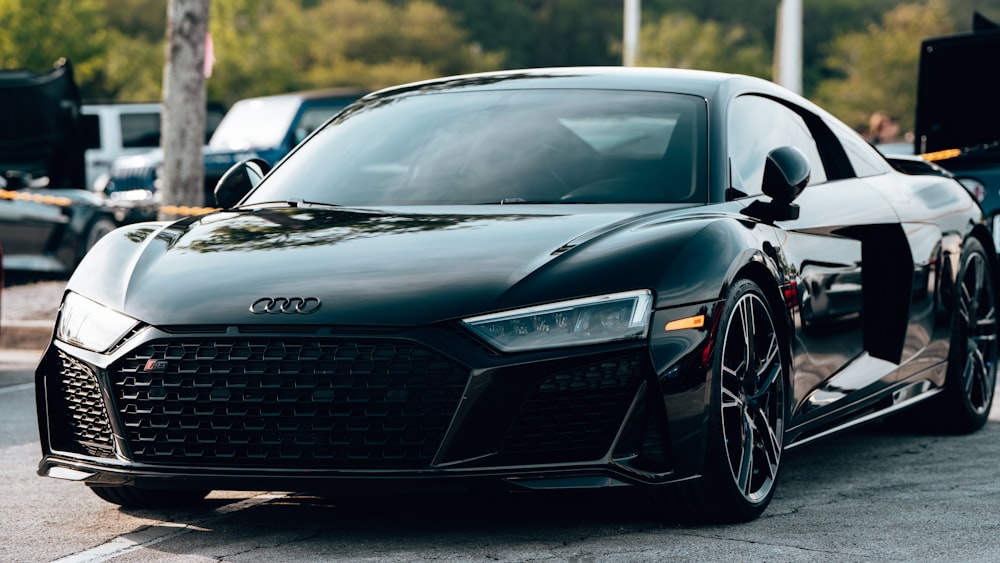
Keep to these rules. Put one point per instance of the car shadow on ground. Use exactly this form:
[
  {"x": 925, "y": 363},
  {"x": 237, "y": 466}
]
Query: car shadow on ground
[{"x": 857, "y": 455}]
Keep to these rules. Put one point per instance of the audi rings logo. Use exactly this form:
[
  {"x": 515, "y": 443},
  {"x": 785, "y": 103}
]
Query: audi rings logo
[{"x": 285, "y": 306}]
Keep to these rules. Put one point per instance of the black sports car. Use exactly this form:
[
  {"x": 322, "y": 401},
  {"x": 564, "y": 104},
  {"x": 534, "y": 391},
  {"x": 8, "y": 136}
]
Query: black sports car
[{"x": 540, "y": 279}]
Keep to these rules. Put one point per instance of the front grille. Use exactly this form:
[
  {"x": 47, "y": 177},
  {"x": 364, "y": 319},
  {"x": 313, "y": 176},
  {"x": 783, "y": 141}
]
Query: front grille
[
  {"x": 575, "y": 414},
  {"x": 79, "y": 420},
  {"x": 292, "y": 403},
  {"x": 125, "y": 179}
]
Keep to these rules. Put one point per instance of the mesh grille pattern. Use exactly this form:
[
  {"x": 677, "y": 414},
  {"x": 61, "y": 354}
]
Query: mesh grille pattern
[
  {"x": 287, "y": 403},
  {"x": 82, "y": 425},
  {"x": 124, "y": 179},
  {"x": 574, "y": 415}
]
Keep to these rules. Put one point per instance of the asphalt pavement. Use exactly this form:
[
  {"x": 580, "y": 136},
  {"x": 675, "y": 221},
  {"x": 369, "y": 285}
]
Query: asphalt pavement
[{"x": 27, "y": 315}]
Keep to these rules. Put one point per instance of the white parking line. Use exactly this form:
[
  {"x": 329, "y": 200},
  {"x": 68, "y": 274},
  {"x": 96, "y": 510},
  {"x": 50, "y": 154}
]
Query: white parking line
[
  {"x": 159, "y": 531},
  {"x": 16, "y": 388}
]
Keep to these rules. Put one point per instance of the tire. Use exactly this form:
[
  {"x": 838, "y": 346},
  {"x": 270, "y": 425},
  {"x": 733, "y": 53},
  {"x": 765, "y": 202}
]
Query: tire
[
  {"x": 964, "y": 405},
  {"x": 747, "y": 415},
  {"x": 136, "y": 497}
]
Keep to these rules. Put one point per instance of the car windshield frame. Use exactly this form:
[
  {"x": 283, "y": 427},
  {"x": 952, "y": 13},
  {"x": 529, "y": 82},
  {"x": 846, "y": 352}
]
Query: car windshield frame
[{"x": 478, "y": 147}]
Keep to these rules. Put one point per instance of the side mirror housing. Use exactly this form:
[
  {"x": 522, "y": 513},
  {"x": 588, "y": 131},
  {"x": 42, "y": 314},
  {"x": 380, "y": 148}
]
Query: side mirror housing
[
  {"x": 237, "y": 182},
  {"x": 786, "y": 174}
]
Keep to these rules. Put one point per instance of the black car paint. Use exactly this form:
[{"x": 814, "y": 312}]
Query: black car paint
[{"x": 424, "y": 269}]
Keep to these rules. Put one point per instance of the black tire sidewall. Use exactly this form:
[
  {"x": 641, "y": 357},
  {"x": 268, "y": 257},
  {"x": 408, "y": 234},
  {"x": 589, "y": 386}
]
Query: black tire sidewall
[
  {"x": 964, "y": 416},
  {"x": 717, "y": 474}
]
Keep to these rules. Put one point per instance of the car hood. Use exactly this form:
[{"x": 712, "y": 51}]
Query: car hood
[{"x": 371, "y": 267}]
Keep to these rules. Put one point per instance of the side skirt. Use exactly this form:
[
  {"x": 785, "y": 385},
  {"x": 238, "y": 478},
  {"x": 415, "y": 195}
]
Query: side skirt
[{"x": 901, "y": 398}]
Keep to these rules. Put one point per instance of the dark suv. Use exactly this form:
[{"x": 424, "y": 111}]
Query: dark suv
[
  {"x": 958, "y": 117},
  {"x": 266, "y": 127}
]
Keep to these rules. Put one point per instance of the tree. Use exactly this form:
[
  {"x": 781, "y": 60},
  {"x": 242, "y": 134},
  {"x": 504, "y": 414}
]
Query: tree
[
  {"x": 681, "y": 40},
  {"x": 503, "y": 27},
  {"x": 184, "y": 104},
  {"x": 376, "y": 44},
  {"x": 577, "y": 32},
  {"x": 878, "y": 67},
  {"x": 266, "y": 48},
  {"x": 36, "y": 33}
]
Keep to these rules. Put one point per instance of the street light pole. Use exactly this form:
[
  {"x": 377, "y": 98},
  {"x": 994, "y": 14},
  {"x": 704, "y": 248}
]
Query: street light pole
[
  {"x": 630, "y": 34},
  {"x": 788, "y": 48}
]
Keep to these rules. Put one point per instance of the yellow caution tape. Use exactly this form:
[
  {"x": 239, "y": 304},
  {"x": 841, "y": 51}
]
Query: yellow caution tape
[
  {"x": 941, "y": 155},
  {"x": 952, "y": 153},
  {"x": 183, "y": 210},
  {"x": 37, "y": 198},
  {"x": 186, "y": 210}
]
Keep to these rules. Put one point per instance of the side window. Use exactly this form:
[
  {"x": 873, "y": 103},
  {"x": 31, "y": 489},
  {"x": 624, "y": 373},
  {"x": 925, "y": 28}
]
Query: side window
[
  {"x": 865, "y": 160},
  {"x": 140, "y": 130},
  {"x": 757, "y": 125}
]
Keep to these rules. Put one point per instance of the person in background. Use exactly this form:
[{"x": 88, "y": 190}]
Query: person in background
[{"x": 882, "y": 128}]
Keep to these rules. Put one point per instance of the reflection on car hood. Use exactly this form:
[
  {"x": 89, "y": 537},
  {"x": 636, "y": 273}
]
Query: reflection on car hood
[{"x": 366, "y": 267}]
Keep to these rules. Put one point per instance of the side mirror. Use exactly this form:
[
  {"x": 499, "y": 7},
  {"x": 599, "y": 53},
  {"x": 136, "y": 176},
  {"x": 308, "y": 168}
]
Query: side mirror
[
  {"x": 786, "y": 174},
  {"x": 237, "y": 182}
]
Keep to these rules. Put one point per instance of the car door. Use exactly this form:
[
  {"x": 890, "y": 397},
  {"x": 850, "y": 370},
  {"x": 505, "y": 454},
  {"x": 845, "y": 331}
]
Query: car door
[{"x": 844, "y": 245}]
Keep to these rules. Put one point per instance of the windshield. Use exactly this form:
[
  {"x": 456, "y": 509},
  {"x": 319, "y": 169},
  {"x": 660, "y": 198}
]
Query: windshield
[
  {"x": 515, "y": 146},
  {"x": 259, "y": 123}
]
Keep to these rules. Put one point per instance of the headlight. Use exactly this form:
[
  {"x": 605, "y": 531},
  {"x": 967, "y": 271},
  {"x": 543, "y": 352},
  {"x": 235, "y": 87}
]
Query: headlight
[
  {"x": 89, "y": 325},
  {"x": 606, "y": 318}
]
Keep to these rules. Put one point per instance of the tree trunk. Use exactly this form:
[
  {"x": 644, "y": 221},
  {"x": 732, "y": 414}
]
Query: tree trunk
[{"x": 184, "y": 101}]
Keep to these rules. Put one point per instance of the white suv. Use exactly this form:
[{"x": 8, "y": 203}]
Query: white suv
[{"x": 113, "y": 130}]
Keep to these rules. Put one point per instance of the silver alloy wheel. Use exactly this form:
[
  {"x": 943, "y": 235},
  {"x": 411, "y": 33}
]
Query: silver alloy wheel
[
  {"x": 978, "y": 327},
  {"x": 752, "y": 397}
]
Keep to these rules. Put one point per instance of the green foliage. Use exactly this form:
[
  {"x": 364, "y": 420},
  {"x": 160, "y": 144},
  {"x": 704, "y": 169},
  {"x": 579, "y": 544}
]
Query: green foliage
[
  {"x": 265, "y": 48},
  {"x": 504, "y": 27},
  {"x": 576, "y": 32},
  {"x": 878, "y": 67},
  {"x": 538, "y": 33},
  {"x": 683, "y": 41},
  {"x": 36, "y": 33},
  {"x": 859, "y": 55}
]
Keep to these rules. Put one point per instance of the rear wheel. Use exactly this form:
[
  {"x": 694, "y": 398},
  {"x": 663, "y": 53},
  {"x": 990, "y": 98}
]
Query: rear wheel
[
  {"x": 964, "y": 405},
  {"x": 747, "y": 414},
  {"x": 137, "y": 497}
]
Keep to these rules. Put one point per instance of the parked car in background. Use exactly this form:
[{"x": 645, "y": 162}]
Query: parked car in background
[
  {"x": 958, "y": 127},
  {"x": 112, "y": 130},
  {"x": 531, "y": 280},
  {"x": 47, "y": 220},
  {"x": 49, "y": 231},
  {"x": 266, "y": 128}
]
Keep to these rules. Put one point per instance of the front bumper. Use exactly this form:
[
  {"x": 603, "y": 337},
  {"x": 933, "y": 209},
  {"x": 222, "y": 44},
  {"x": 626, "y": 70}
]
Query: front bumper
[{"x": 251, "y": 408}]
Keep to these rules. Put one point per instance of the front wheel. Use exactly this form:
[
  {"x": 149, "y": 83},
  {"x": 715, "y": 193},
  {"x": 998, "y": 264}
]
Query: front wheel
[{"x": 746, "y": 414}]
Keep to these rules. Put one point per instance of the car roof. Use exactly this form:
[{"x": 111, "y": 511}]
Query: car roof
[{"x": 699, "y": 82}]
